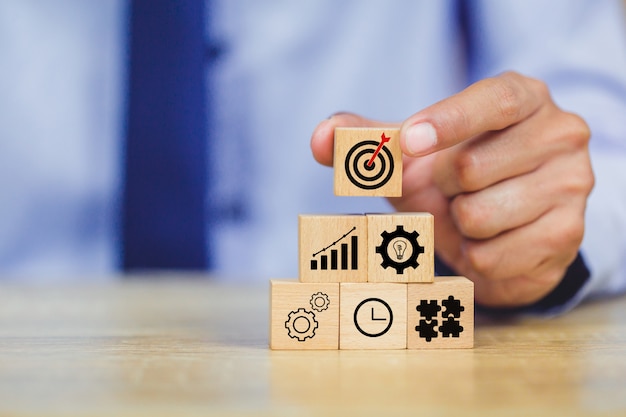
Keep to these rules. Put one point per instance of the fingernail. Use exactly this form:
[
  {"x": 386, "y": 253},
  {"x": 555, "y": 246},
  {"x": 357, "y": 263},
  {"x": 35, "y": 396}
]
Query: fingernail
[{"x": 420, "y": 138}]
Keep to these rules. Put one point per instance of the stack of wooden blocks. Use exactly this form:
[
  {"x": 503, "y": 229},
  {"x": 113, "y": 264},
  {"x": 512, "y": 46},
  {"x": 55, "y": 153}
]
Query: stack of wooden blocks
[{"x": 367, "y": 281}]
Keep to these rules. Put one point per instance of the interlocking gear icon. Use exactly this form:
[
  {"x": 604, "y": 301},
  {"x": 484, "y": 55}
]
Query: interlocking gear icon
[
  {"x": 301, "y": 324},
  {"x": 319, "y": 301},
  {"x": 387, "y": 244}
]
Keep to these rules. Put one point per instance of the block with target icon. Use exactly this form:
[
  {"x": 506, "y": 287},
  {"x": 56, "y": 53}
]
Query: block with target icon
[
  {"x": 303, "y": 315},
  {"x": 441, "y": 314},
  {"x": 368, "y": 162},
  {"x": 401, "y": 247}
]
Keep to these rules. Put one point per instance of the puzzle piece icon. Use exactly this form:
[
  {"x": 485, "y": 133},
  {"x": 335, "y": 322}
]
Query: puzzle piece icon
[
  {"x": 426, "y": 329},
  {"x": 450, "y": 327},
  {"x": 428, "y": 309},
  {"x": 453, "y": 307}
]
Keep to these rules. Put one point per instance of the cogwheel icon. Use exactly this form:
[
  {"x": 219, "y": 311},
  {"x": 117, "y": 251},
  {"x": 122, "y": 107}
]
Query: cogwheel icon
[
  {"x": 319, "y": 301},
  {"x": 386, "y": 245},
  {"x": 301, "y": 324}
]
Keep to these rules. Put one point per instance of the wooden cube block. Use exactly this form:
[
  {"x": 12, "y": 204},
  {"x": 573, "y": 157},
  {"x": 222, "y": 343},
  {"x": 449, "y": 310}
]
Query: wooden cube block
[
  {"x": 368, "y": 162},
  {"x": 441, "y": 314},
  {"x": 372, "y": 316},
  {"x": 304, "y": 315},
  {"x": 401, "y": 247},
  {"x": 333, "y": 248}
]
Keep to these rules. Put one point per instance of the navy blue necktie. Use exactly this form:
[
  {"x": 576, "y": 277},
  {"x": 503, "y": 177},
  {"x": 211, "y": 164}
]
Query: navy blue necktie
[{"x": 163, "y": 221}]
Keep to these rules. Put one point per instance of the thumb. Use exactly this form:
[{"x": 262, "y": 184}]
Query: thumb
[{"x": 487, "y": 105}]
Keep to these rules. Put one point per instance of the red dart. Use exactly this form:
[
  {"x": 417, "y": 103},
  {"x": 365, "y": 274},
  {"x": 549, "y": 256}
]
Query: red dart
[{"x": 384, "y": 139}]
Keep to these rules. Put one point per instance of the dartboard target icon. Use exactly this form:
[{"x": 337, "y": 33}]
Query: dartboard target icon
[
  {"x": 366, "y": 165},
  {"x": 364, "y": 172}
]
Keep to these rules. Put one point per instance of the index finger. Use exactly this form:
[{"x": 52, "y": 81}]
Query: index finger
[
  {"x": 322, "y": 139},
  {"x": 490, "y": 104}
]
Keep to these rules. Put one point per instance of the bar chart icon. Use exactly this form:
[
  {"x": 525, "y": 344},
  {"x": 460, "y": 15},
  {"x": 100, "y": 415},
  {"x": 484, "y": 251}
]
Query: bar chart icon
[{"x": 343, "y": 258}]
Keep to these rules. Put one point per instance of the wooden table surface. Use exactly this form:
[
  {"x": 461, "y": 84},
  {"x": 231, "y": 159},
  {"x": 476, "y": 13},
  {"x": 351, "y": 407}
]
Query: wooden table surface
[{"x": 192, "y": 347}]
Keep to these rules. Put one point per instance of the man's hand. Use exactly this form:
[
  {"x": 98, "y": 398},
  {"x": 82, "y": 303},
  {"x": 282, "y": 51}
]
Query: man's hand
[{"x": 506, "y": 174}]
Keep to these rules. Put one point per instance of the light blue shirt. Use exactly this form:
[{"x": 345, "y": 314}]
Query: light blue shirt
[{"x": 286, "y": 66}]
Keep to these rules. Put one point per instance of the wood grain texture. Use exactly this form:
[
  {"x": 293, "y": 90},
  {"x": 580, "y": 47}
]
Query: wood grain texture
[
  {"x": 304, "y": 315},
  {"x": 453, "y": 301},
  {"x": 389, "y": 262},
  {"x": 332, "y": 248},
  {"x": 192, "y": 346},
  {"x": 372, "y": 316},
  {"x": 356, "y": 173}
]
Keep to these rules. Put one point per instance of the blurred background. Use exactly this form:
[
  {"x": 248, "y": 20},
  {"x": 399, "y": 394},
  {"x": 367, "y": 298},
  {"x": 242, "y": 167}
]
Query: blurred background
[{"x": 274, "y": 71}]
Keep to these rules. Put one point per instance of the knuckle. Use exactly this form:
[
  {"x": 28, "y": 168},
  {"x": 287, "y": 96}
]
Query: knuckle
[
  {"x": 480, "y": 260},
  {"x": 576, "y": 131},
  {"x": 470, "y": 217},
  {"x": 581, "y": 180},
  {"x": 582, "y": 183},
  {"x": 458, "y": 120},
  {"x": 509, "y": 102},
  {"x": 576, "y": 136},
  {"x": 575, "y": 232},
  {"x": 590, "y": 179},
  {"x": 540, "y": 89},
  {"x": 509, "y": 96},
  {"x": 569, "y": 234},
  {"x": 466, "y": 167}
]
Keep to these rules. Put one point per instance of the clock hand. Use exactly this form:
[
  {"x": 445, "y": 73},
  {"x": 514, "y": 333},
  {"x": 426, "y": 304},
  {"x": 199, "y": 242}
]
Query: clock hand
[{"x": 375, "y": 319}]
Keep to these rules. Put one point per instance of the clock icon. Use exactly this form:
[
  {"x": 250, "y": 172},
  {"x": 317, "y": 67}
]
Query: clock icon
[{"x": 373, "y": 317}]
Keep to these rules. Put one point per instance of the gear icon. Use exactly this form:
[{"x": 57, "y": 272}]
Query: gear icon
[
  {"x": 399, "y": 235},
  {"x": 319, "y": 301},
  {"x": 301, "y": 324}
]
